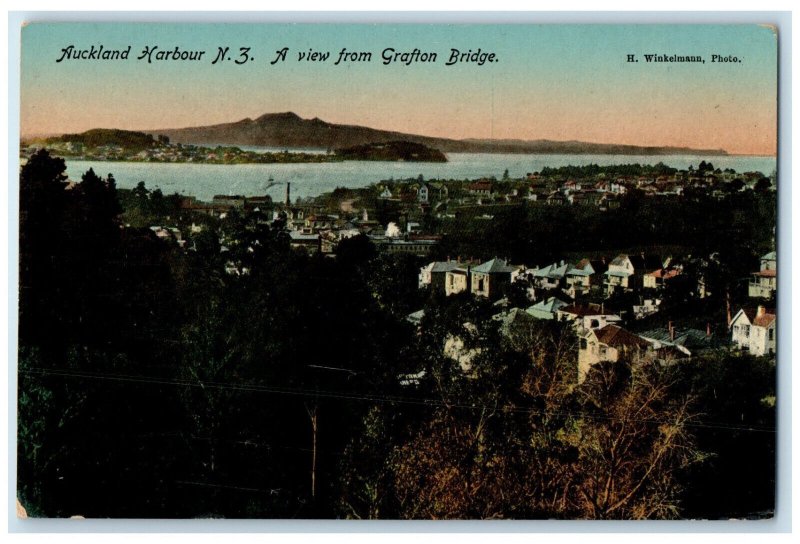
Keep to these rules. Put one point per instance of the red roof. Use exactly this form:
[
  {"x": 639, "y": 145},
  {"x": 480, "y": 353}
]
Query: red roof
[
  {"x": 614, "y": 336},
  {"x": 666, "y": 275},
  {"x": 766, "y": 273},
  {"x": 582, "y": 311},
  {"x": 481, "y": 186},
  {"x": 763, "y": 320}
]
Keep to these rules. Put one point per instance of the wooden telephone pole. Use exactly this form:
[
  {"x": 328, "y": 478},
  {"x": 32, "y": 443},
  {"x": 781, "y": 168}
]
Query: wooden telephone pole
[{"x": 312, "y": 414}]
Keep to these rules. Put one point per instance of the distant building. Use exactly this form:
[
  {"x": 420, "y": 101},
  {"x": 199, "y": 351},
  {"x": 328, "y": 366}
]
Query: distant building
[
  {"x": 687, "y": 340},
  {"x": 488, "y": 278},
  {"x": 423, "y": 193},
  {"x": 584, "y": 277},
  {"x": 764, "y": 282},
  {"x": 754, "y": 330},
  {"x": 457, "y": 280},
  {"x": 607, "y": 344},
  {"x": 482, "y": 188},
  {"x": 435, "y": 274},
  {"x": 546, "y": 309},
  {"x": 231, "y": 201},
  {"x": 589, "y": 316},
  {"x": 550, "y": 276},
  {"x": 658, "y": 278},
  {"x": 310, "y": 242},
  {"x": 648, "y": 307},
  {"x": 626, "y": 272},
  {"x": 414, "y": 244}
]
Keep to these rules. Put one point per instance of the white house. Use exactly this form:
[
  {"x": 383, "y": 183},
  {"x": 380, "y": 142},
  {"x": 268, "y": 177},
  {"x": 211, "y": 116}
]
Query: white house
[
  {"x": 754, "y": 330},
  {"x": 626, "y": 272},
  {"x": 423, "y": 193}
]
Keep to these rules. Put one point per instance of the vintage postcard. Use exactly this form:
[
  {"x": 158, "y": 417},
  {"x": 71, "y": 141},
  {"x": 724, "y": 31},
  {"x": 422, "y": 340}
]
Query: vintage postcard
[{"x": 398, "y": 271}]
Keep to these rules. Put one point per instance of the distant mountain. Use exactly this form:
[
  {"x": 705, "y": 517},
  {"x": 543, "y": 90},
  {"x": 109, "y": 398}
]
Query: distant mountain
[{"x": 290, "y": 130}]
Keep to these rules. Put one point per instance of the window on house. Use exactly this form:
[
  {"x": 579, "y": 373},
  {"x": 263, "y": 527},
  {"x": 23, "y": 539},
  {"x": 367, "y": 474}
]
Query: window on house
[
  {"x": 772, "y": 334},
  {"x": 583, "y": 343},
  {"x": 603, "y": 350}
]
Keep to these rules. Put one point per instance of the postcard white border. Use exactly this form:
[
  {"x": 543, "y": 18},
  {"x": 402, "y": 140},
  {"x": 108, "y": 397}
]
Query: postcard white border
[{"x": 782, "y": 521}]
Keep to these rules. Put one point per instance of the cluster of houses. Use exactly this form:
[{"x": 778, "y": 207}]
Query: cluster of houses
[
  {"x": 316, "y": 232},
  {"x": 625, "y": 273},
  {"x": 601, "y": 191},
  {"x": 601, "y": 334}
]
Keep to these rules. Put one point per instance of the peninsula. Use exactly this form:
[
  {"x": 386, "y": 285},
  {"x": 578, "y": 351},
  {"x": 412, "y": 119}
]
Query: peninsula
[{"x": 133, "y": 146}]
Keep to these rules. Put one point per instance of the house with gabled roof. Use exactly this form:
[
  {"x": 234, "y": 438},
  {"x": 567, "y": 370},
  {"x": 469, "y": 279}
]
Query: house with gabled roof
[
  {"x": 754, "y": 330},
  {"x": 658, "y": 278},
  {"x": 434, "y": 274},
  {"x": 607, "y": 344},
  {"x": 488, "y": 278},
  {"x": 550, "y": 276},
  {"x": 764, "y": 282},
  {"x": 585, "y": 276},
  {"x": 481, "y": 187},
  {"x": 626, "y": 272},
  {"x": 546, "y": 309}
]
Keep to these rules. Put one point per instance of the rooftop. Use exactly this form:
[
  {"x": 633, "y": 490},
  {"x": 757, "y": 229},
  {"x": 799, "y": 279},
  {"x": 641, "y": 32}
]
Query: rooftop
[
  {"x": 614, "y": 336},
  {"x": 495, "y": 266}
]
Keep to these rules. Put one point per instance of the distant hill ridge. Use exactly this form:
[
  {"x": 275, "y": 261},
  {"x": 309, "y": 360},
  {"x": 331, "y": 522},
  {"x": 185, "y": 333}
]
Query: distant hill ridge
[{"x": 290, "y": 130}]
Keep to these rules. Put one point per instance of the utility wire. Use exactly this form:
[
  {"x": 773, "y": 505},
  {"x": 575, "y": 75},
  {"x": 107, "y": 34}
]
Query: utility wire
[{"x": 434, "y": 403}]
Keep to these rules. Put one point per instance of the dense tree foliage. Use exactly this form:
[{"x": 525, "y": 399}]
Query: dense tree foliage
[{"x": 154, "y": 384}]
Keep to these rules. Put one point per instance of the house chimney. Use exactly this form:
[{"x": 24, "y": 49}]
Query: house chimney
[
  {"x": 708, "y": 330},
  {"x": 671, "y": 332},
  {"x": 288, "y": 199},
  {"x": 761, "y": 311}
]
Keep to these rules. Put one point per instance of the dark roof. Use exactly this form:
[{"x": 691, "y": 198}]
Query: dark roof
[
  {"x": 646, "y": 262},
  {"x": 692, "y": 339},
  {"x": 614, "y": 336}
]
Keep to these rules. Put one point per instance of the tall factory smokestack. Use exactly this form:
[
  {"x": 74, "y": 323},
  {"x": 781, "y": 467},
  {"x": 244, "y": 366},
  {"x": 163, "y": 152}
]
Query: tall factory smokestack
[{"x": 288, "y": 199}]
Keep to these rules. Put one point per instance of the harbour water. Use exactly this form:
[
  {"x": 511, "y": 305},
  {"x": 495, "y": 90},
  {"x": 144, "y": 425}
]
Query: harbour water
[{"x": 206, "y": 180}]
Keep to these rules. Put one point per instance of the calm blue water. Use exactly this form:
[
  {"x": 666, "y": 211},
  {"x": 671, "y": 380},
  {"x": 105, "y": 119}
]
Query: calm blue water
[{"x": 206, "y": 180}]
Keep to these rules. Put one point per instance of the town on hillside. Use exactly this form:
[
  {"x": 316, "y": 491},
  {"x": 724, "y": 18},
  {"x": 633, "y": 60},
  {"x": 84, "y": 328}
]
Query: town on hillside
[
  {"x": 602, "y": 295},
  {"x": 582, "y": 342}
]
